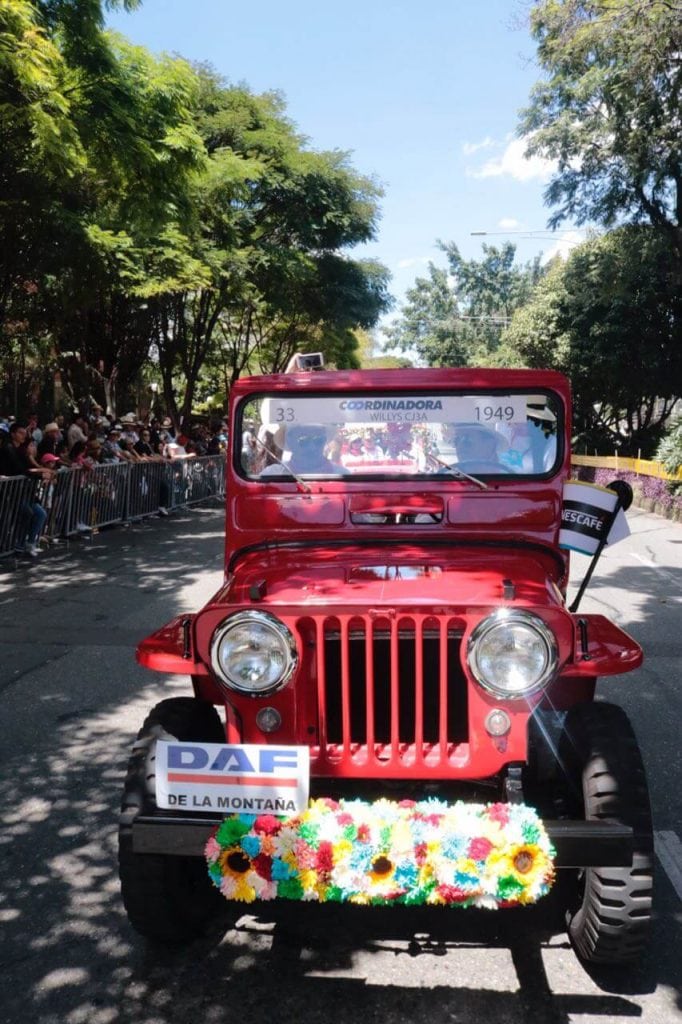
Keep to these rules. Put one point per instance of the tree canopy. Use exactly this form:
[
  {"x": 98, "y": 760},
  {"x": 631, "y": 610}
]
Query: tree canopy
[
  {"x": 273, "y": 221},
  {"x": 609, "y": 111},
  {"x": 456, "y": 316},
  {"x": 152, "y": 211},
  {"x": 609, "y": 318}
]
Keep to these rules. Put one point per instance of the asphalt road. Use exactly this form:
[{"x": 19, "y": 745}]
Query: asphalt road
[{"x": 72, "y": 699}]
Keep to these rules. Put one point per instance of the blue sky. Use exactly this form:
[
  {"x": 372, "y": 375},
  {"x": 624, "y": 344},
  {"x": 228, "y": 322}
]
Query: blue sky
[{"x": 424, "y": 96}]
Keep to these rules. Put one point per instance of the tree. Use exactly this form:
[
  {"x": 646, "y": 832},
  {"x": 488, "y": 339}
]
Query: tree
[
  {"x": 273, "y": 221},
  {"x": 610, "y": 112},
  {"x": 456, "y": 316},
  {"x": 669, "y": 451},
  {"x": 40, "y": 148},
  {"x": 147, "y": 207},
  {"x": 609, "y": 318},
  {"x": 101, "y": 150}
]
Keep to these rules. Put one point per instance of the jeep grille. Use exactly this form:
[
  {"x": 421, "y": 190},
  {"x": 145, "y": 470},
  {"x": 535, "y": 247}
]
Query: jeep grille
[{"x": 391, "y": 694}]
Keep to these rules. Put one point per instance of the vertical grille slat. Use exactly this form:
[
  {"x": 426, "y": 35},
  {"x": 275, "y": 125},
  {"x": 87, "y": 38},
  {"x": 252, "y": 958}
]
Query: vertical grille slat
[
  {"x": 392, "y": 691},
  {"x": 443, "y": 693},
  {"x": 369, "y": 689},
  {"x": 419, "y": 691},
  {"x": 395, "y": 689},
  {"x": 345, "y": 688},
  {"x": 321, "y": 686}
]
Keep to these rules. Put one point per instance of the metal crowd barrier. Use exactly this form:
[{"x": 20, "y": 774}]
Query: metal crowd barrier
[
  {"x": 14, "y": 492},
  {"x": 80, "y": 500},
  {"x": 98, "y": 498},
  {"x": 192, "y": 480},
  {"x": 147, "y": 488}
]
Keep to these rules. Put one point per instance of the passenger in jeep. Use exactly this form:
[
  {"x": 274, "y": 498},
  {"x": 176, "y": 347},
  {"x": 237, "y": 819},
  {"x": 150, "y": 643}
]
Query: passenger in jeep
[
  {"x": 307, "y": 445},
  {"x": 477, "y": 446}
]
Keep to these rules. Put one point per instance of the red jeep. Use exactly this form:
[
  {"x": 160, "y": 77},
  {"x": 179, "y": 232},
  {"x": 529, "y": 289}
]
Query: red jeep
[{"x": 392, "y": 632}]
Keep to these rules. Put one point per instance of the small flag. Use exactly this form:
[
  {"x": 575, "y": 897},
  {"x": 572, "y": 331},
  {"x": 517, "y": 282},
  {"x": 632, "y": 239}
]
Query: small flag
[{"x": 587, "y": 518}]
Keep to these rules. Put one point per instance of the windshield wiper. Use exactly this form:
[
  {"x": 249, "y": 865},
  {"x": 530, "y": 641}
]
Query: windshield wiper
[
  {"x": 458, "y": 474},
  {"x": 301, "y": 483}
]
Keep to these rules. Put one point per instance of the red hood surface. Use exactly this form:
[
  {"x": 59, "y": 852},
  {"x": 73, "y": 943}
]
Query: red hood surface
[{"x": 402, "y": 576}]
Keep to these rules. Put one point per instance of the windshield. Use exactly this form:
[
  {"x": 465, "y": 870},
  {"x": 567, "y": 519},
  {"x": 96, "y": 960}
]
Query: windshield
[{"x": 334, "y": 435}]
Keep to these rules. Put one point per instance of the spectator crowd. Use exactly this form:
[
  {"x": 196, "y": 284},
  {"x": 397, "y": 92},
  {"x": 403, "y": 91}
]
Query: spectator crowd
[{"x": 85, "y": 441}]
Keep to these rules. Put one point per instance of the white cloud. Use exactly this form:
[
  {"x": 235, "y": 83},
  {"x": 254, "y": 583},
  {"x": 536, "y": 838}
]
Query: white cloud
[
  {"x": 512, "y": 163},
  {"x": 563, "y": 245},
  {"x": 420, "y": 261},
  {"x": 509, "y": 223},
  {"x": 473, "y": 147}
]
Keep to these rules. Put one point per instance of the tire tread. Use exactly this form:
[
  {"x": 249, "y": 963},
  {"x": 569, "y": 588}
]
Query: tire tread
[
  {"x": 611, "y": 924},
  {"x": 167, "y": 898}
]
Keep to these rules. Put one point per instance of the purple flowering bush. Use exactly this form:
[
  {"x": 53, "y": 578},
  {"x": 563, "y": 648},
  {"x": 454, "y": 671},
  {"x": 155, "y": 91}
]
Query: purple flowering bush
[{"x": 650, "y": 492}]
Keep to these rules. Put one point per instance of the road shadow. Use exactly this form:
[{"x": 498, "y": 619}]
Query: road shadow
[{"x": 68, "y": 953}]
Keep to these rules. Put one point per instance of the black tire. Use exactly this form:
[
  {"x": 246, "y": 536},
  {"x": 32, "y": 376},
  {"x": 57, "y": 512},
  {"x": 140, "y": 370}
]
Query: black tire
[
  {"x": 609, "y": 908},
  {"x": 167, "y": 898}
]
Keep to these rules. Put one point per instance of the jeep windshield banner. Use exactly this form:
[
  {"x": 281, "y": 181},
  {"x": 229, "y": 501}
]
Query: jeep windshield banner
[
  {"x": 359, "y": 434},
  {"x": 400, "y": 409}
]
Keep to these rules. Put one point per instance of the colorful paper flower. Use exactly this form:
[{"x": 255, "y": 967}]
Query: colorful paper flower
[{"x": 385, "y": 852}]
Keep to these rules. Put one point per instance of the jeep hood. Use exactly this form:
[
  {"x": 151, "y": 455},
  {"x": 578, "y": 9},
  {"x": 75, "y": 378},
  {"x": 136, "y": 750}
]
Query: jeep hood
[{"x": 399, "y": 575}]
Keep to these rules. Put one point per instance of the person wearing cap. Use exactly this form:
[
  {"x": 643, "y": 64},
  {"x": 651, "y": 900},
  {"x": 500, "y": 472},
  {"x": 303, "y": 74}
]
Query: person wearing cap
[
  {"x": 51, "y": 435},
  {"x": 129, "y": 434},
  {"x": 477, "y": 447},
  {"x": 98, "y": 421},
  {"x": 111, "y": 449},
  {"x": 355, "y": 453}
]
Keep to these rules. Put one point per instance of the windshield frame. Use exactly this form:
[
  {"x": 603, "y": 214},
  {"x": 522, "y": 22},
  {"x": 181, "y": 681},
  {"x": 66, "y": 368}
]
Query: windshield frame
[{"x": 551, "y": 396}]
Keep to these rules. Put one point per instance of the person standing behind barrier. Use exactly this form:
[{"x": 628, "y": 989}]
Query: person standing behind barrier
[
  {"x": 34, "y": 432},
  {"x": 143, "y": 446},
  {"x": 61, "y": 450},
  {"x": 130, "y": 430},
  {"x": 51, "y": 435},
  {"x": 172, "y": 449},
  {"x": 217, "y": 443},
  {"x": 15, "y": 461},
  {"x": 111, "y": 449},
  {"x": 79, "y": 457},
  {"x": 93, "y": 448},
  {"x": 76, "y": 431},
  {"x": 128, "y": 448},
  {"x": 154, "y": 431},
  {"x": 145, "y": 451}
]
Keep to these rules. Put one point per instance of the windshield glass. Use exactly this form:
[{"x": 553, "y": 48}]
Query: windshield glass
[{"x": 334, "y": 435}]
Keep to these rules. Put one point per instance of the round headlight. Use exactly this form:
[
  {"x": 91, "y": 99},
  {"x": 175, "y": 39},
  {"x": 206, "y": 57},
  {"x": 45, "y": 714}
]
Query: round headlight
[
  {"x": 253, "y": 652},
  {"x": 512, "y": 653}
]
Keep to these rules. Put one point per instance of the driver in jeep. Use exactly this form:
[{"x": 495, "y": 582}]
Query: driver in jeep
[{"x": 475, "y": 443}]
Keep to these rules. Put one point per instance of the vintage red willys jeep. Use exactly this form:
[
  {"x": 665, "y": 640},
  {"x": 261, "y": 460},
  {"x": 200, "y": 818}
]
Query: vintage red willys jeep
[{"x": 394, "y": 608}]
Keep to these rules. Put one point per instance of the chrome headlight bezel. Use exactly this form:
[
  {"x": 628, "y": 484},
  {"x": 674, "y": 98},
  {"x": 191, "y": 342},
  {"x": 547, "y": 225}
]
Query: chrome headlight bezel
[
  {"x": 505, "y": 617},
  {"x": 282, "y": 635}
]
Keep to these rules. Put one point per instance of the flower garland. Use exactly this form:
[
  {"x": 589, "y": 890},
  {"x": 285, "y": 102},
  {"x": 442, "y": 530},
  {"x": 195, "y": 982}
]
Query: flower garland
[{"x": 430, "y": 852}]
